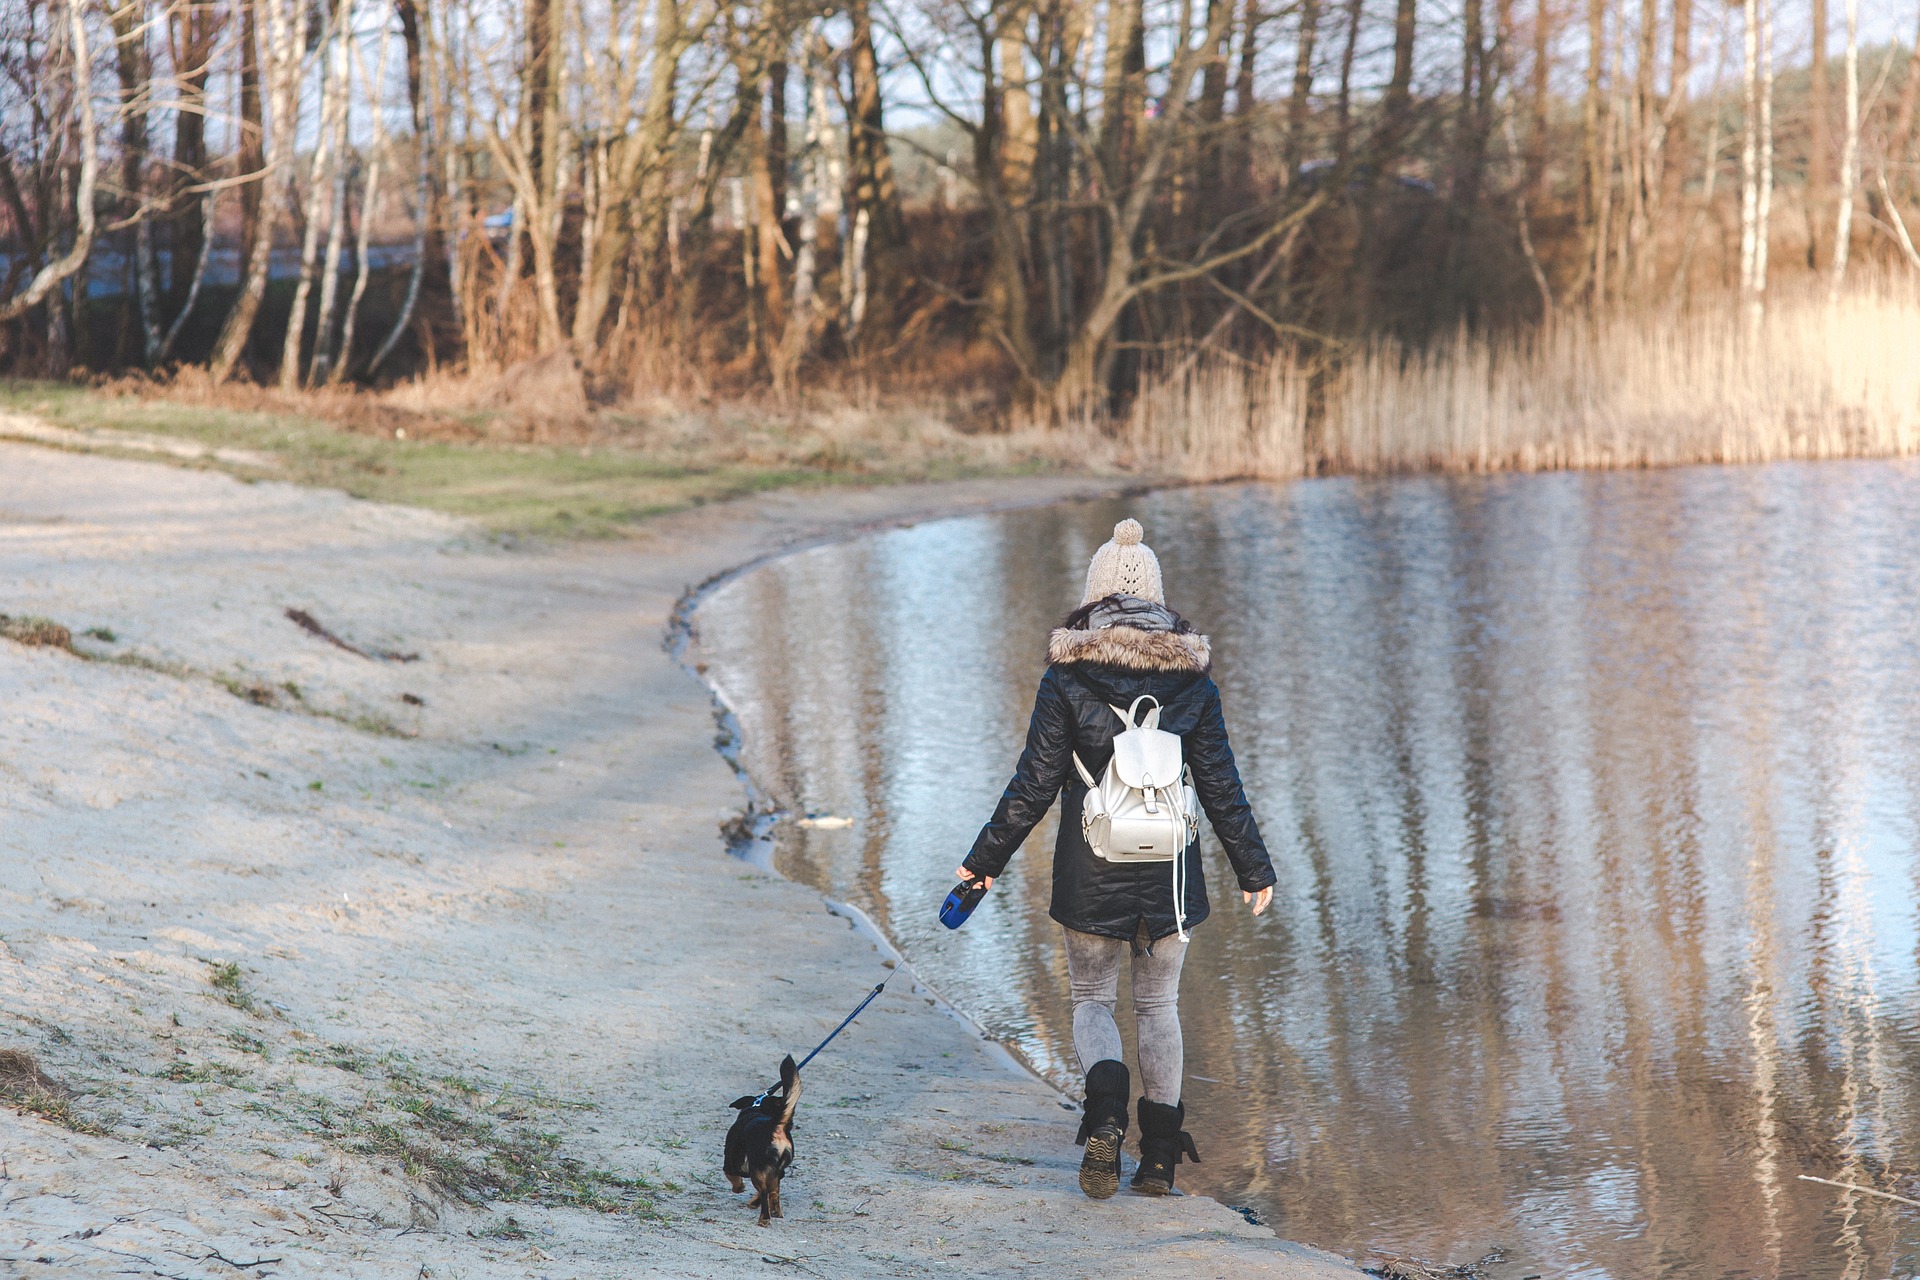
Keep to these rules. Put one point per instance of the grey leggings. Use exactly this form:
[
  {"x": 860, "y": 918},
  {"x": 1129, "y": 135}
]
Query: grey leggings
[{"x": 1093, "y": 978}]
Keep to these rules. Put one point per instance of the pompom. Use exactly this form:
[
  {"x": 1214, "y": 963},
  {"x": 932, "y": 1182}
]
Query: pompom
[{"x": 1127, "y": 533}]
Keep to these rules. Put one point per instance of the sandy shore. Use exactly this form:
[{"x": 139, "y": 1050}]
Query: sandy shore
[{"x": 396, "y": 966}]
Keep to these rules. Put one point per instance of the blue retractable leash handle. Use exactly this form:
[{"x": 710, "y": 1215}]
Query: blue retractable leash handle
[{"x": 961, "y": 900}]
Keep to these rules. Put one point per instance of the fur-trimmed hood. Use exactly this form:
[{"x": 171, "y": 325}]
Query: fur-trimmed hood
[{"x": 1132, "y": 648}]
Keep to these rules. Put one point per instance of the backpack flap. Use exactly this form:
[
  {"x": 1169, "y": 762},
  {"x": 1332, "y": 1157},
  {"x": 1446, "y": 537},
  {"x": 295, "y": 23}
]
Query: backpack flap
[{"x": 1148, "y": 758}]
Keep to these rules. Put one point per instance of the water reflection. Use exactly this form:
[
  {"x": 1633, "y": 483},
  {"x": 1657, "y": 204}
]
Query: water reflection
[{"x": 1593, "y": 801}]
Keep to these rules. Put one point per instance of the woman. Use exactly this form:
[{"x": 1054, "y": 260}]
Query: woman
[{"x": 1120, "y": 644}]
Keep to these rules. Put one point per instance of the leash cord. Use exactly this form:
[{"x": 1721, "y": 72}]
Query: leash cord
[{"x": 871, "y": 997}]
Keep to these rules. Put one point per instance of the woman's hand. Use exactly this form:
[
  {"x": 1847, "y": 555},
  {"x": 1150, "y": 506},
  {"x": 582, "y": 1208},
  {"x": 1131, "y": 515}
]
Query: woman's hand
[
  {"x": 1259, "y": 900},
  {"x": 967, "y": 876}
]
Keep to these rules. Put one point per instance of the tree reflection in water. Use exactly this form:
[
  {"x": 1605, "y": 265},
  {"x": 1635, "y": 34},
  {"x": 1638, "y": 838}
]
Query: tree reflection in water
[{"x": 1593, "y": 799}]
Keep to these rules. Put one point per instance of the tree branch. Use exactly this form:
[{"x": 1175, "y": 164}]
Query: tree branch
[{"x": 57, "y": 271}]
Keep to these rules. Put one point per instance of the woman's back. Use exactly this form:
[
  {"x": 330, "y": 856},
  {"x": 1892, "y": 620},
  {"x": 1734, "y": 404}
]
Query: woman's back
[{"x": 1123, "y": 644}]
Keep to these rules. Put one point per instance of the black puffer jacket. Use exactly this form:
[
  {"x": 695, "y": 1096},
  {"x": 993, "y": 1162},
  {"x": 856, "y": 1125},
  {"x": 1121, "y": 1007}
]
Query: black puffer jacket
[{"x": 1089, "y": 672}]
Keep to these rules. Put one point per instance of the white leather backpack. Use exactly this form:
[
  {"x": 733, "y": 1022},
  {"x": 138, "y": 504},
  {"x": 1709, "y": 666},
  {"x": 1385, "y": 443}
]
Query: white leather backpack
[{"x": 1143, "y": 808}]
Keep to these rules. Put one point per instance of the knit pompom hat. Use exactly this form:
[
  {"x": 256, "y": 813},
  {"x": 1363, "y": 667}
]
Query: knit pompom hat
[{"x": 1125, "y": 566}]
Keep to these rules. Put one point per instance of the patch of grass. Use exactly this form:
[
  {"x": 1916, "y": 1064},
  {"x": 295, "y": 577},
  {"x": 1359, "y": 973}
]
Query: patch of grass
[
  {"x": 246, "y": 1043},
  {"x": 103, "y": 634},
  {"x": 463, "y": 1154},
  {"x": 226, "y": 979},
  {"x": 141, "y": 662},
  {"x": 463, "y": 1139},
  {"x": 508, "y": 1228},
  {"x": 258, "y": 692},
  {"x": 621, "y": 469},
  {"x": 36, "y": 632},
  {"x": 184, "y": 1072},
  {"x": 346, "y": 1058},
  {"x": 56, "y": 1108},
  {"x": 24, "y": 1086}
]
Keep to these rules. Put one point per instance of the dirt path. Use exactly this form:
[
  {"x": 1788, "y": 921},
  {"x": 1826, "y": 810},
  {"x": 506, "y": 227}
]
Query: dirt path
[{"x": 435, "y": 966}]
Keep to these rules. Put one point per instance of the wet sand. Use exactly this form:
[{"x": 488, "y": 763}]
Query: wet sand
[{"x": 332, "y": 946}]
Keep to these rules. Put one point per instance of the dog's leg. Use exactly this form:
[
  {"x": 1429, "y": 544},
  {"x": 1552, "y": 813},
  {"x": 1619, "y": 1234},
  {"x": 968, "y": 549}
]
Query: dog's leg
[
  {"x": 738, "y": 1185},
  {"x": 764, "y": 1199},
  {"x": 773, "y": 1186}
]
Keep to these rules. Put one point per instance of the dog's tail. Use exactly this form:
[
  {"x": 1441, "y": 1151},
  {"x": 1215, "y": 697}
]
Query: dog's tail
[{"x": 790, "y": 1085}]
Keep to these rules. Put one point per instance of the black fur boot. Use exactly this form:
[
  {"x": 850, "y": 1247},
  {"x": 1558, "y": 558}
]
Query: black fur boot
[
  {"x": 1163, "y": 1142},
  {"x": 1104, "y": 1127}
]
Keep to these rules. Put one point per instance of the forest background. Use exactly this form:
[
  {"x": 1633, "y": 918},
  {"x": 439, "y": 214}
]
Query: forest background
[{"x": 654, "y": 252}]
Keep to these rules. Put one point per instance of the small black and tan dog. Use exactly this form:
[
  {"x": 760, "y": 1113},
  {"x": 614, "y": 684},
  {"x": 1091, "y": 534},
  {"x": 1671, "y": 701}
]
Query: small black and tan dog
[{"x": 760, "y": 1143}]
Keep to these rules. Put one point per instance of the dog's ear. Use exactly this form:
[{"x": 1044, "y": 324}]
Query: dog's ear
[{"x": 741, "y": 1104}]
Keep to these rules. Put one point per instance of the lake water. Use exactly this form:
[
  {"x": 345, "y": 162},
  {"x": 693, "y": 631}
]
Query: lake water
[{"x": 1594, "y": 801}]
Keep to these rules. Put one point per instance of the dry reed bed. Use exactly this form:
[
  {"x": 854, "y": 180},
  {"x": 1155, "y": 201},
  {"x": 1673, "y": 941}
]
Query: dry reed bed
[{"x": 1816, "y": 381}]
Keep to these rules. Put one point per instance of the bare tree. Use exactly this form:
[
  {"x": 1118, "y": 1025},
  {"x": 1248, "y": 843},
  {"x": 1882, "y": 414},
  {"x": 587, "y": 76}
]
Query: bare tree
[
  {"x": 333, "y": 368},
  {"x": 335, "y": 85},
  {"x": 134, "y": 65},
  {"x": 286, "y": 59},
  {"x": 1819, "y": 137},
  {"x": 1849, "y": 158},
  {"x": 1756, "y": 159},
  {"x": 878, "y": 226},
  {"x": 58, "y": 270}
]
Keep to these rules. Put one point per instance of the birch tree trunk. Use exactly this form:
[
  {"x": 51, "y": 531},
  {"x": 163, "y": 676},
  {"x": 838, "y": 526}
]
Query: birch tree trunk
[
  {"x": 332, "y": 100},
  {"x": 1849, "y": 158},
  {"x": 423, "y": 147},
  {"x": 196, "y": 31},
  {"x": 1020, "y": 140},
  {"x": 1004, "y": 294},
  {"x": 1343, "y": 103},
  {"x": 1210, "y": 163},
  {"x": 539, "y": 170},
  {"x": 1819, "y": 139},
  {"x": 201, "y": 258},
  {"x": 1749, "y": 149},
  {"x": 1680, "y": 67},
  {"x": 1300, "y": 101},
  {"x": 323, "y": 332},
  {"x": 815, "y": 178},
  {"x": 1240, "y": 161},
  {"x": 369, "y": 202},
  {"x": 250, "y": 158},
  {"x": 286, "y": 45},
  {"x": 1594, "y": 176},
  {"x": 1396, "y": 104},
  {"x": 369, "y": 206},
  {"x": 1763, "y": 240},
  {"x": 135, "y": 67},
  {"x": 763, "y": 233},
  {"x": 55, "y": 273},
  {"x": 876, "y": 258},
  {"x": 1756, "y": 162}
]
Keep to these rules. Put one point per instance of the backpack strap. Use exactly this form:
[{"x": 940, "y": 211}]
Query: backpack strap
[
  {"x": 1127, "y": 717},
  {"x": 1084, "y": 775}
]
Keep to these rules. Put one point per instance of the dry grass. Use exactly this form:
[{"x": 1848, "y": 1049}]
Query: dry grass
[
  {"x": 1815, "y": 382},
  {"x": 35, "y": 632},
  {"x": 24, "y": 1086},
  {"x": 491, "y": 447},
  {"x": 20, "y": 1074}
]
